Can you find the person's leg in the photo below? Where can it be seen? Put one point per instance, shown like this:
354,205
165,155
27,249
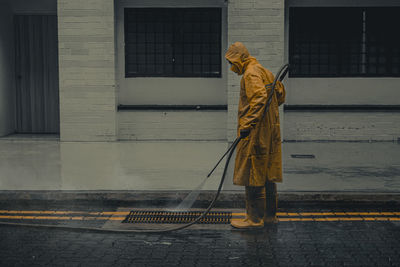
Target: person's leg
271,202
255,197
255,206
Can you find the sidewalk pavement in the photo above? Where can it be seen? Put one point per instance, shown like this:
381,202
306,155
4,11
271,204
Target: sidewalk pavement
47,164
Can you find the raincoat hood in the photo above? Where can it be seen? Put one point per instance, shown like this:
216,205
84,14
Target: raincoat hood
239,56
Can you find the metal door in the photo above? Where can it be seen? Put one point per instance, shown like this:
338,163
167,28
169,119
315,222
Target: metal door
36,46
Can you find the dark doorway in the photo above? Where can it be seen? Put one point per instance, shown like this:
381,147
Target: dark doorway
36,45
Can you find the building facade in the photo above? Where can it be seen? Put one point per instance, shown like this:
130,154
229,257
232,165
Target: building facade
154,70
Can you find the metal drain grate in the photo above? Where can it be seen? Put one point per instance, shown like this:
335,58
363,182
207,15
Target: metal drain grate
215,217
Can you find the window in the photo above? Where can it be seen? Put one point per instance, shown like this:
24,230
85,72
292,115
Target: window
172,42
344,42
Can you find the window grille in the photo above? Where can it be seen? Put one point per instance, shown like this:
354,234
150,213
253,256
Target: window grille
383,41
172,42
343,42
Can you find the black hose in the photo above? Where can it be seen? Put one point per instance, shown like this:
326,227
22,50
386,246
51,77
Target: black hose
286,67
279,76
223,156
231,149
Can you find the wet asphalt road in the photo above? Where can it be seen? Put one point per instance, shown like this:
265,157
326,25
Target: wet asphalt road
288,243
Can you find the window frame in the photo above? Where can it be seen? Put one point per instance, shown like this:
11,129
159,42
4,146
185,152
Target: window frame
174,74
389,72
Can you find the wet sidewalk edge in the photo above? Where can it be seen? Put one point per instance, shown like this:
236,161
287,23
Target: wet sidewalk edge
229,199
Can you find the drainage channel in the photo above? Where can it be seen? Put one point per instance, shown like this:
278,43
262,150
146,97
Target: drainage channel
143,216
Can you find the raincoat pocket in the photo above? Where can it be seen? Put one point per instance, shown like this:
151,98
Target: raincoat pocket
275,138
259,141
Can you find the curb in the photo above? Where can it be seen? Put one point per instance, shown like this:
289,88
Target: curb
226,198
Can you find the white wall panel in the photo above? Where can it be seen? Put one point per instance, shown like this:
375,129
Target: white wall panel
172,125
341,126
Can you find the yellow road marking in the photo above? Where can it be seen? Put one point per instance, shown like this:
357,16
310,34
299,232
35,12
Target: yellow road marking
117,218
39,212
293,219
324,219
373,213
51,217
284,219
115,212
381,219
305,219
116,215
315,213
387,213
62,212
352,213
110,213
60,218
333,219
296,214
80,218
11,217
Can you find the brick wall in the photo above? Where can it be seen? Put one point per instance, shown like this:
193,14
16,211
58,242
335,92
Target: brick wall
342,126
172,125
259,25
87,70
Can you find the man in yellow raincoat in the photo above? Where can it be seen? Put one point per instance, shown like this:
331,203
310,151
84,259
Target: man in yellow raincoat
258,164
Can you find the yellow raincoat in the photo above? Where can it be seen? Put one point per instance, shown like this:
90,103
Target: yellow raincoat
259,156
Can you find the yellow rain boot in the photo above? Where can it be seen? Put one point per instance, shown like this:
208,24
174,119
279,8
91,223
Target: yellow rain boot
271,203
255,205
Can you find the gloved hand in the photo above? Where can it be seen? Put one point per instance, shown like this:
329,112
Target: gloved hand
244,133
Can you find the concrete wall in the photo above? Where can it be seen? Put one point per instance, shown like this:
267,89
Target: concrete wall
342,126
87,70
259,24
7,73
172,125
343,91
